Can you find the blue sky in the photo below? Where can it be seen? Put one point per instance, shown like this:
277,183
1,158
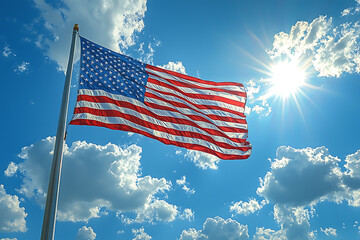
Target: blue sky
302,180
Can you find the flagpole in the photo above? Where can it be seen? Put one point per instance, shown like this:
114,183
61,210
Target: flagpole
48,227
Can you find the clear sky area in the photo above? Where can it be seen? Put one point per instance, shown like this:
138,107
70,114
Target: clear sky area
300,64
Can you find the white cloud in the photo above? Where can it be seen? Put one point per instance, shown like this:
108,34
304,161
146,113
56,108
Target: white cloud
263,109
174,66
95,178
109,23
351,10
192,234
188,214
217,228
300,177
157,210
256,103
11,169
182,182
148,55
294,222
252,88
23,67
298,180
178,152
257,109
268,234
353,164
202,160
85,233
12,217
8,239
7,51
332,50
346,11
246,208
329,231
140,234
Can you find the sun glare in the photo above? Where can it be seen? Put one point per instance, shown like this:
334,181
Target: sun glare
286,78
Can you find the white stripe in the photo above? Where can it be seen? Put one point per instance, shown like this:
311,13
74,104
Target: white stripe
203,112
187,111
169,76
202,91
171,137
172,114
191,101
152,120
207,102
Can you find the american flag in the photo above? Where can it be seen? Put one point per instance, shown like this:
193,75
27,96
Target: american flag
119,92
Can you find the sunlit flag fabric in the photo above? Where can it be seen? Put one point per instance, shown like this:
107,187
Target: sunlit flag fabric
119,92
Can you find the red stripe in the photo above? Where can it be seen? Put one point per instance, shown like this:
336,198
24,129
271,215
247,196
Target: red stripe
182,105
201,118
198,96
114,113
193,78
156,127
193,86
163,140
125,104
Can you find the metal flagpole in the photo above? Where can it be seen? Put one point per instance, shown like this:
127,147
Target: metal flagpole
48,227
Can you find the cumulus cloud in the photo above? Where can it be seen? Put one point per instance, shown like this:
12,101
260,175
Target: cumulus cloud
85,233
294,222
7,51
188,214
202,160
347,11
298,180
174,66
217,228
11,169
12,217
109,23
353,164
95,178
246,208
333,50
147,56
23,67
157,210
268,234
182,182
351,10
301,177
140,234
329,231
255,102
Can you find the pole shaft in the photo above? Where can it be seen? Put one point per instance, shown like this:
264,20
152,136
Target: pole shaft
48,227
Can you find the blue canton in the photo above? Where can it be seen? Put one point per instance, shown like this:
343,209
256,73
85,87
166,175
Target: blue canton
103,69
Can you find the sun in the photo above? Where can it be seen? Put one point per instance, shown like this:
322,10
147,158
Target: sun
286,78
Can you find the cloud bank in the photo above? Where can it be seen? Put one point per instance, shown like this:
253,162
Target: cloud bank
217,228
298,180
12,217
110,23
332,50
95,179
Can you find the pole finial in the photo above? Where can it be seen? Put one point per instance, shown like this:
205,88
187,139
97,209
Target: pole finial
76,27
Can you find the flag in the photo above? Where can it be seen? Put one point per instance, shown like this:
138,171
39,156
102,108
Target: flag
119,92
